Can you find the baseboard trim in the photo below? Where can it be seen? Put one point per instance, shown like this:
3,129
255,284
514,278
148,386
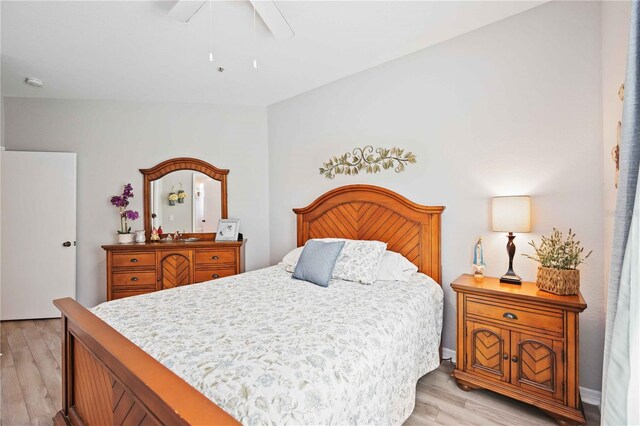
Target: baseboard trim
589,396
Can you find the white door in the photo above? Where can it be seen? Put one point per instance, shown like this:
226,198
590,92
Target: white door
38,233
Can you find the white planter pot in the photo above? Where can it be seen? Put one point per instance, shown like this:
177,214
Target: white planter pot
125,238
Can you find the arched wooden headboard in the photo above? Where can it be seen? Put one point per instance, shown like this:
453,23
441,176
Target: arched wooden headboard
366,212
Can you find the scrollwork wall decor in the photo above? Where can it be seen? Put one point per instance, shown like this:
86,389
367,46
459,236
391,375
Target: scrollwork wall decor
367,160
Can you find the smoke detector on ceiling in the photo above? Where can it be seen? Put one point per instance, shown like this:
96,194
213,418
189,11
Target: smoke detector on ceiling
35,82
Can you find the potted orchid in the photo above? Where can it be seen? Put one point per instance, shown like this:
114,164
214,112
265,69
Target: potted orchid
122,201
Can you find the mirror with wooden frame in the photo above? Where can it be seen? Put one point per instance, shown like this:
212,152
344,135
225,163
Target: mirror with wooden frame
185,195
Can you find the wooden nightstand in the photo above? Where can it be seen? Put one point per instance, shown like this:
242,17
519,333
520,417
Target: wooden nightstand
520,342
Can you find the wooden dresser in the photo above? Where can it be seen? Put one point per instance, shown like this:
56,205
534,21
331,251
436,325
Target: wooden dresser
146,267
520,342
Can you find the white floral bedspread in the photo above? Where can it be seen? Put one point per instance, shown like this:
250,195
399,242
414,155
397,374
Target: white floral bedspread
272,350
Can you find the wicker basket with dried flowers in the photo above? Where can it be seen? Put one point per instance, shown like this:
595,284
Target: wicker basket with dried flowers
559,259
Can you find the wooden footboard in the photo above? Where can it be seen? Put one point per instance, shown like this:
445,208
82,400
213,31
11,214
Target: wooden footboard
107,380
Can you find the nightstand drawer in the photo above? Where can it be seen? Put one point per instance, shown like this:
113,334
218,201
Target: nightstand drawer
515,315
133,260
215,257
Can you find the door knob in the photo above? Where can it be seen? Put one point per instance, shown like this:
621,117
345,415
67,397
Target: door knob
505,356
66,244
514,359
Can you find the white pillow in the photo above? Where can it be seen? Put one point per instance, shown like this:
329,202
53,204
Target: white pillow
395,267
291,259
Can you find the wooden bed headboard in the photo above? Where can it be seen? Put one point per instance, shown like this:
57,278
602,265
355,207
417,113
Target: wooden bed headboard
367,212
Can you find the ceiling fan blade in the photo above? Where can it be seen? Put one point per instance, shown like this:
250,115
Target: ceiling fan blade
184,10
273,19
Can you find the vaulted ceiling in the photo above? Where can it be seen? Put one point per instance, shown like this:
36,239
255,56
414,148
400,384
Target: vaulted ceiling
133,50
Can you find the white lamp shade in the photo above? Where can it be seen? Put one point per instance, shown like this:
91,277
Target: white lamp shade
511,214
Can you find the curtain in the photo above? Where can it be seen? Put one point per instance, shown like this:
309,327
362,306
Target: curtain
621,381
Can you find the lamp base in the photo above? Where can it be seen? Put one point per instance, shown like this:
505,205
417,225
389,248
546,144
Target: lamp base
511,279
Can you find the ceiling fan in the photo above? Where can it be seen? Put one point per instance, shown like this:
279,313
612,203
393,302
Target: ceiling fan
184,10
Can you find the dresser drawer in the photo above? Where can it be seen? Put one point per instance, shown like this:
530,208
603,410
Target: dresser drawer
133,260
137,279
212,274
215,257
551,321
128,293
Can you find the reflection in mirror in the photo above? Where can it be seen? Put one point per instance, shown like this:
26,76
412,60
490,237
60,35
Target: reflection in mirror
186,201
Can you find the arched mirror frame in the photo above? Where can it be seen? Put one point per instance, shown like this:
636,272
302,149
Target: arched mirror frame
183,163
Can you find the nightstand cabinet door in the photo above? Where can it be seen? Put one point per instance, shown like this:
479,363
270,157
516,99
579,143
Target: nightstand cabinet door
537,365
488,353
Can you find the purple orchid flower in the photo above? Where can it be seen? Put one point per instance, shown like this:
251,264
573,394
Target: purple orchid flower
131,214
128,191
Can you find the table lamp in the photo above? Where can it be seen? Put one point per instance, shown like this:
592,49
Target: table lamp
511,214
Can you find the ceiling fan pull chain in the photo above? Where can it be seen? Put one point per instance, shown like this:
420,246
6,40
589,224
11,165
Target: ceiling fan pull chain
255,47
210,32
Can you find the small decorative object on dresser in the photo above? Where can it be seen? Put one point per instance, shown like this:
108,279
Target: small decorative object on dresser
228,230
122,201
140,236
478,259
559,260
511,214
520,342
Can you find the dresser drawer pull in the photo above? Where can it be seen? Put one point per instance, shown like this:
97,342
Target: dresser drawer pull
509,315
215,276
505,356
514,358
214,258
134,278
134,260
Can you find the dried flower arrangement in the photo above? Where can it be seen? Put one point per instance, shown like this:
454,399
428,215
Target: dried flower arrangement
557,252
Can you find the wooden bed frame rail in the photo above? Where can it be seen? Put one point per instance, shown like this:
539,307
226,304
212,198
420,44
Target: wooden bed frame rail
107,380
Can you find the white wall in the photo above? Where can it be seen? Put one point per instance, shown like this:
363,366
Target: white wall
615,39
115,139
512,108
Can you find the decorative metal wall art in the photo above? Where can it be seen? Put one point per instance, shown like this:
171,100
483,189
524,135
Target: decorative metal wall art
367,160
615,151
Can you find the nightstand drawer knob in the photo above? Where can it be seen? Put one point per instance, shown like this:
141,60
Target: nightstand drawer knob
514,359
134,278
505,356
215,276
134,260
214,258
509,315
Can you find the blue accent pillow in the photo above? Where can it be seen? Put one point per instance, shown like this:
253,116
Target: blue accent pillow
317,261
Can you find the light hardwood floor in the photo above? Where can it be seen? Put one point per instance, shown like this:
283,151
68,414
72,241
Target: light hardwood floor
30,370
